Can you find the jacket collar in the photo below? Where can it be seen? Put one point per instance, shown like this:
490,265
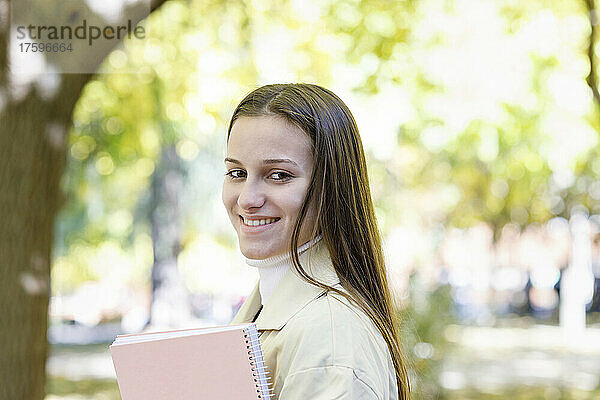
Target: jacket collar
292,293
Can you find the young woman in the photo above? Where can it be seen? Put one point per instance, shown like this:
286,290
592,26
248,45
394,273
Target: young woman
297,193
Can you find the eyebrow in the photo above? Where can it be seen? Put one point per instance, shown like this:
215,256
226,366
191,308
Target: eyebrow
267,161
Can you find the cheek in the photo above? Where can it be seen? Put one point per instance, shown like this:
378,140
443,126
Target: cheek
228,196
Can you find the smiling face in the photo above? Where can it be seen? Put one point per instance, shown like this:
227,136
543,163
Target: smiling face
269,164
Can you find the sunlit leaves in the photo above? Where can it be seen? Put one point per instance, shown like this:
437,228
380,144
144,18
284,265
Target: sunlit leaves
469,111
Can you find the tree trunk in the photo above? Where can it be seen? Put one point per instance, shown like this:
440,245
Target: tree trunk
170,299
33,144
32,159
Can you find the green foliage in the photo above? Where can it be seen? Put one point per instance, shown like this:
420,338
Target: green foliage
123,120
464,150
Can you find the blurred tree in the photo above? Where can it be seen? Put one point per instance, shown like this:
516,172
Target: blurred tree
587,190
592,77
492,158
33,127
149,128
170,299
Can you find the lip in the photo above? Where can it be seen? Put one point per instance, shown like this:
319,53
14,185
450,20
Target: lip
259,217
256,229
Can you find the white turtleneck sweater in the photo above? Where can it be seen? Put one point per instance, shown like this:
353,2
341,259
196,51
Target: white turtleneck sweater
272,269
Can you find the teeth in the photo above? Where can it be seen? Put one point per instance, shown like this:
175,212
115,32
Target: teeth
258,222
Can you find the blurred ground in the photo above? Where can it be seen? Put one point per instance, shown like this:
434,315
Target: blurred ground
483,363
498,360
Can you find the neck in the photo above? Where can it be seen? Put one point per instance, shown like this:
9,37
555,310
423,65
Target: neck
281,259
272,269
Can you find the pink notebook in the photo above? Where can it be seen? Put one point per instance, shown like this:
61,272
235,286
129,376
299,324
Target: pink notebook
207,363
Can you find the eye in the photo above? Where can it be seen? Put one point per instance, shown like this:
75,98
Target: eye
235,173
280,176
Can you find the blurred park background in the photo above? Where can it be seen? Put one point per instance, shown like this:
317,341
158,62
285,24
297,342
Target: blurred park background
480,120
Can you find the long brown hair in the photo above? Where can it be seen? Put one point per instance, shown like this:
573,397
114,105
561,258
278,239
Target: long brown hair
339,187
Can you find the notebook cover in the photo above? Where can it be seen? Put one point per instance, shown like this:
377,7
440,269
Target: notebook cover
205,366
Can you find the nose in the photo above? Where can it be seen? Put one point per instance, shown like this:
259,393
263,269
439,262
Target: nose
251,195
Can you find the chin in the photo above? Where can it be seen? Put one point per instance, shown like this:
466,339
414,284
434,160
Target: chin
258,253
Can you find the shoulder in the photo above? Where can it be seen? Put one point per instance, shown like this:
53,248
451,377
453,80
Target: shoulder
332,335
334,317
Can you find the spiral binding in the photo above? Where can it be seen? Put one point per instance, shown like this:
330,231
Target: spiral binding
261,375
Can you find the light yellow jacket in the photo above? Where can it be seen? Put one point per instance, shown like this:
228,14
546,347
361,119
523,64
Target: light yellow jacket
316,345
